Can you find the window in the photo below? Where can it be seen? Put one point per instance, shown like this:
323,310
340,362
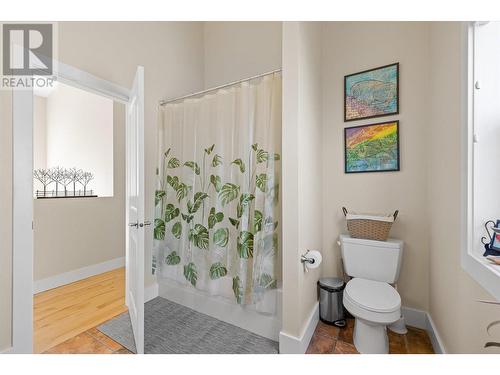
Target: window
72,143
482,152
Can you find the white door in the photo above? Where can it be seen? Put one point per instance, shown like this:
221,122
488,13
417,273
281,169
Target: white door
135,208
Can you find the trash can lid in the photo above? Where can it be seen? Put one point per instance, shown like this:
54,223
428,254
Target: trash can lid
334,283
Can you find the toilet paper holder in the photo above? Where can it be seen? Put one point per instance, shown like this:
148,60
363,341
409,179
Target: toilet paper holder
304,259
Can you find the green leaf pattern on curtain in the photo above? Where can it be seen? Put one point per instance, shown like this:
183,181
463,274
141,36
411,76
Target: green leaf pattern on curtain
216,161
221,237
217,270
214,218
174,163
261,182
190,273
177,230
245,245
172,259
181,191
199,236
159,195
228,193
193,165
171,212
159,231
217,218
216,181
238,289
240,164
194,205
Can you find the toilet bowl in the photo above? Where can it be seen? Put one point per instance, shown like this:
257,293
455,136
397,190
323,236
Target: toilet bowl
368,296
374,305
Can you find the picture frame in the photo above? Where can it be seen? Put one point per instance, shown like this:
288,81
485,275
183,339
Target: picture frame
372,93
372,148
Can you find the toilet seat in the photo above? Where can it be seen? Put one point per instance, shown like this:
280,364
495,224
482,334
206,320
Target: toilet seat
373,301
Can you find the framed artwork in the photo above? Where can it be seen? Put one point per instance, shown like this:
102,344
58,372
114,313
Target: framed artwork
372,93
372,148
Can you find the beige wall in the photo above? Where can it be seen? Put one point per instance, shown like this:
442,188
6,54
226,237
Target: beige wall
172,55
73,233
310,152
236,50
5,219
460,320
302,169
350,47
80,134
39,133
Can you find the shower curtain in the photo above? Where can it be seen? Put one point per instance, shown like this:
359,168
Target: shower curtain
217,221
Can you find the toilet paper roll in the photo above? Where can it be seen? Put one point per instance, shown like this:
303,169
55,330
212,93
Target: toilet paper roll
316,256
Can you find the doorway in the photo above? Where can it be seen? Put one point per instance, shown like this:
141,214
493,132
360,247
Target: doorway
23,278
78,212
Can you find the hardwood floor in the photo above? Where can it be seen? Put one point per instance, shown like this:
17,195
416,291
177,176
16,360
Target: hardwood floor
329,339
71,311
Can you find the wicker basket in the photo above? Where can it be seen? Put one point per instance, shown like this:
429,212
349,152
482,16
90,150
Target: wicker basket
370,227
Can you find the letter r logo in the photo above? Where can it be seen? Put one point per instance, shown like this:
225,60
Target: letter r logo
27,49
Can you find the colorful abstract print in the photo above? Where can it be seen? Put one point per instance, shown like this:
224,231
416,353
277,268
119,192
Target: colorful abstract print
372,148
372,93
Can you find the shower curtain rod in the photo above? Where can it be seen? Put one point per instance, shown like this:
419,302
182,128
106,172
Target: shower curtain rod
163,102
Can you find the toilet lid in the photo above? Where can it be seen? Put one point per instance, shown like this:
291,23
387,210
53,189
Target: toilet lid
372,295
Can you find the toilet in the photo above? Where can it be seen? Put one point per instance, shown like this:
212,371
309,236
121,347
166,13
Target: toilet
368,296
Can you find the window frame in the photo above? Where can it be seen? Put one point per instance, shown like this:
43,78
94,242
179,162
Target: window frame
476,266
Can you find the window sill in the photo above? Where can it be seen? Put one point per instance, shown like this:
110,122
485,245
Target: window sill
484,272
69,197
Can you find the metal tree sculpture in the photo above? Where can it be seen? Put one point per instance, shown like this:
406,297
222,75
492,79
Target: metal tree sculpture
75,175
65,180
85,178
45,178
56,174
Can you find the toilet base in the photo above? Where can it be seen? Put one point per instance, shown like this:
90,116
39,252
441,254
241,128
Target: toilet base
370,338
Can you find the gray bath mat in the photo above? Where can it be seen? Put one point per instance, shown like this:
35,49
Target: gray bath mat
170,328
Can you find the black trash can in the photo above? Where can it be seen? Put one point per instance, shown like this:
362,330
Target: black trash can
331,308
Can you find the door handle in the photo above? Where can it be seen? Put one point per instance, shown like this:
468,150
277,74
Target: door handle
136,224
145,223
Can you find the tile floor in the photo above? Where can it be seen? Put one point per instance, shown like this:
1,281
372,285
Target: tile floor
330,339
89,342
326,339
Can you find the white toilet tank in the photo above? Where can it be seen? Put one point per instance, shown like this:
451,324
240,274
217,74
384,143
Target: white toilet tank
372,260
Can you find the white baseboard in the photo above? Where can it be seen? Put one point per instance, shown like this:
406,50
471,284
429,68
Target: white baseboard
422,319
415,318
7,351
298,345
79,274
436,341
219,308
151,292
